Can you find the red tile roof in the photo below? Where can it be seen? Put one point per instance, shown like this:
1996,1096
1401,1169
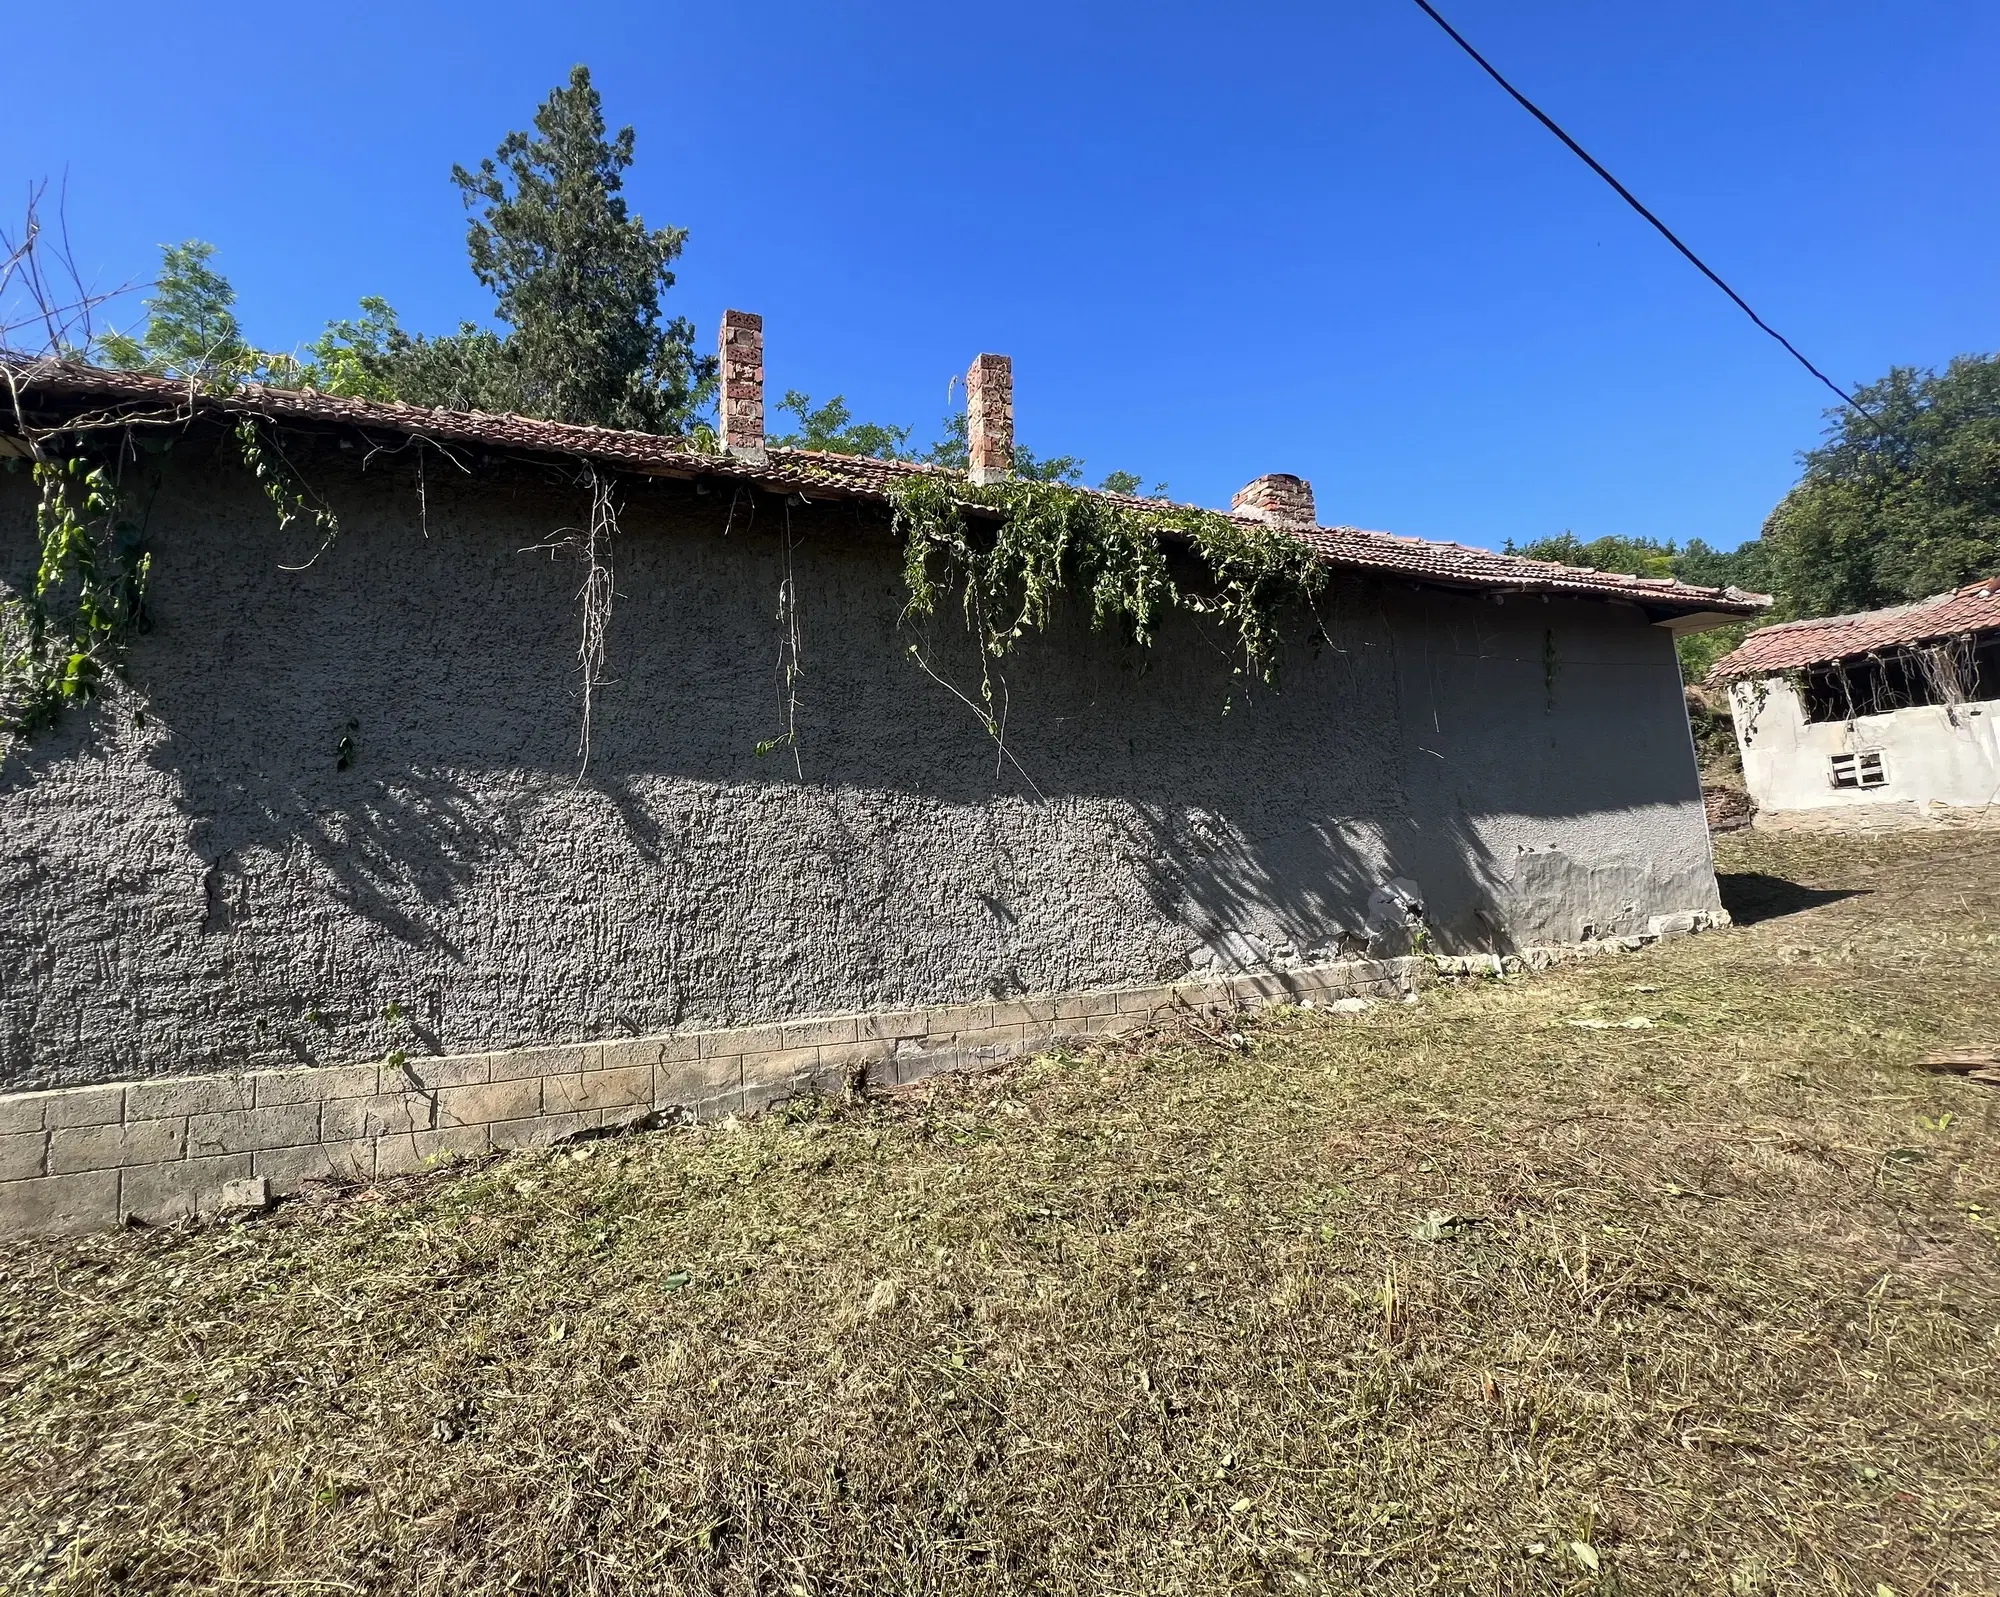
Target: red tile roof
71,394
1972,608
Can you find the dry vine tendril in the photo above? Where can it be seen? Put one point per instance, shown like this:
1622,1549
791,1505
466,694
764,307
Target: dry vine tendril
1054,539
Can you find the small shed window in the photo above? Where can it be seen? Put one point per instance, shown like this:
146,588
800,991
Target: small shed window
1860,770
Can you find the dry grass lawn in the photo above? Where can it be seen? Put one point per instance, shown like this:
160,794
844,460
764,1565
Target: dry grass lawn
1460,1296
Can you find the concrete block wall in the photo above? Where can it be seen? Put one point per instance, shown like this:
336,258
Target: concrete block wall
76,1159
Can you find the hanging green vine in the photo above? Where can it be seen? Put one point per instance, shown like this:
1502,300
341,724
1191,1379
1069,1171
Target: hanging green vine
1052,539
77,621
282,485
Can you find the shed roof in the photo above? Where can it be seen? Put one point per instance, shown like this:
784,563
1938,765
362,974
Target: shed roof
69,396
1793,644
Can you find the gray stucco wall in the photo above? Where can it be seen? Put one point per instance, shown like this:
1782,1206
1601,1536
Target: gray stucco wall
188,882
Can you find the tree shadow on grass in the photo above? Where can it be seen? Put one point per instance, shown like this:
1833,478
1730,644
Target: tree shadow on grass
1753,896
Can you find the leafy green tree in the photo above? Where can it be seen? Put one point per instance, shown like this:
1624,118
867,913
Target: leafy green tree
1697,562
191,327
953,451
1900,503
576,276
351,358
1747,566
832,427
1638,557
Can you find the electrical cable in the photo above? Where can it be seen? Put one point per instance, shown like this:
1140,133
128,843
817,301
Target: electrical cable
1632,200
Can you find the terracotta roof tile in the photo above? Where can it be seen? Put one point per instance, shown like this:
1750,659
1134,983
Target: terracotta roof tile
71,393
1792,644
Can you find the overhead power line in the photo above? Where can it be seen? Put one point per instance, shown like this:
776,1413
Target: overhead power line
1632,200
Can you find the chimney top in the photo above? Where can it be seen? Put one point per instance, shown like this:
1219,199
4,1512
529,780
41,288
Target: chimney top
741,405
989,419
1279,499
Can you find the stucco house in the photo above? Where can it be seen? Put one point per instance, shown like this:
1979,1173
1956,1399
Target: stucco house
321,887
1887,718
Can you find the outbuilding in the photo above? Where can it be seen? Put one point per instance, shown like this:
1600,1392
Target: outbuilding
1884,719
474,781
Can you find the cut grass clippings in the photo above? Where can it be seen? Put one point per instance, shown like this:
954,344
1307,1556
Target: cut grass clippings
1452,1296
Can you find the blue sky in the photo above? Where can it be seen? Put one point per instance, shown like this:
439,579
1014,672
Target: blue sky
1217,240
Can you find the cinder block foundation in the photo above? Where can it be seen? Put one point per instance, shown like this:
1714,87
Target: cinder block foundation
78,1159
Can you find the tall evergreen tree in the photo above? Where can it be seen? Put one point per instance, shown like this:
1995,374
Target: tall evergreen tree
577,277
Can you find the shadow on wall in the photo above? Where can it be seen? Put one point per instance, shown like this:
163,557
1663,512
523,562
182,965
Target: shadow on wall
355,814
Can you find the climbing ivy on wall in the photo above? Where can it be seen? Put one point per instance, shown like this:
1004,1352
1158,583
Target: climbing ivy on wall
77,619
1049,539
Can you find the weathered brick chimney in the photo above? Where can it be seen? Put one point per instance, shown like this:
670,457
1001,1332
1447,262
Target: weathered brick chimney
742,402
1280,499
989,419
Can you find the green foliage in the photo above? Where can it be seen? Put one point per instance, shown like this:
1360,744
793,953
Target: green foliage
1696,562
1638,557
577,277
953,452
76,622
1747,566
191,328
351,358
1053,539
1900,506
832,427
282,485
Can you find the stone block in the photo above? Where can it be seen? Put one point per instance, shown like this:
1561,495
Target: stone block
988,1043
951,1019
869,1055
710,1111
599,1089
429,1075
1040,1010
288,1169
162,1193
20,1112
918,1064
822,1032
288,1125
82,1106
694,1080
1143,1000
315,1085
893,1024
1080,1006
525,1064
779,1065
421,1150
744,1040
187,1095
483,1104
248,1193
626,1052
382,1114
145,1142
53,1206
22,1154
540,1132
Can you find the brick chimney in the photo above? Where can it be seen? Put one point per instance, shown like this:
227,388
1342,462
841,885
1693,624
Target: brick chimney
742,403
1280,499
989,419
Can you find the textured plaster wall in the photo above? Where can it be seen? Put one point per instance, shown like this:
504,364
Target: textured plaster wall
188,880
1931,756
